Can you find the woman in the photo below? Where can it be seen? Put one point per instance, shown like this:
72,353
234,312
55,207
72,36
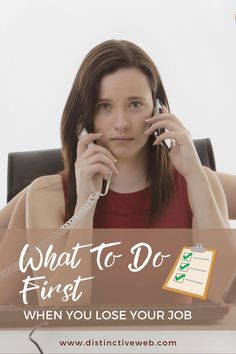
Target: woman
119,70
113,98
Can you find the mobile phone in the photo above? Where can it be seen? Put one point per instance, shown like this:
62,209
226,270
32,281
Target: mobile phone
166,144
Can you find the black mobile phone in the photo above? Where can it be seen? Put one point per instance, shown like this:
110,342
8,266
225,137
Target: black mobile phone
166,144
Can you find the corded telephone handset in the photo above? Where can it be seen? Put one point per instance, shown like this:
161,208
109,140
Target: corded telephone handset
84,133
91,201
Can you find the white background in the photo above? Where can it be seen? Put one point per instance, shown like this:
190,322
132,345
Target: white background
210,341
43,43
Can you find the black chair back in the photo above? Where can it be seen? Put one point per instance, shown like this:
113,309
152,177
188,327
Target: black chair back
25,166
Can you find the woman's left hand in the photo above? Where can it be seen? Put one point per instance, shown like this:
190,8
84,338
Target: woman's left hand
183,154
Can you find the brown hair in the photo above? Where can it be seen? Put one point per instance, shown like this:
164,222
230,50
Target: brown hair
79,111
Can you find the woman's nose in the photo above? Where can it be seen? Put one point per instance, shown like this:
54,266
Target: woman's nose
121,120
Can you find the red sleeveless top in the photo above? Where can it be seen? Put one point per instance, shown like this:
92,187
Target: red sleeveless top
116,285
131,210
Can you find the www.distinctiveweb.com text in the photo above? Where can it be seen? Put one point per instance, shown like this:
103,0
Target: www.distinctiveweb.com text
117,343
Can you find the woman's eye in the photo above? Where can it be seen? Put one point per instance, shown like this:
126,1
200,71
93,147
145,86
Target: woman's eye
136,104
104,106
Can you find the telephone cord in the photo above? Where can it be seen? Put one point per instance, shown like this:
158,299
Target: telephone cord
73,221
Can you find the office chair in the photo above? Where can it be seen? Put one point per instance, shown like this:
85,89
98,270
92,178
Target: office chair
24,167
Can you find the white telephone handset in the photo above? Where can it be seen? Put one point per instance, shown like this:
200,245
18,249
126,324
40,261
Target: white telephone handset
82,134
92,199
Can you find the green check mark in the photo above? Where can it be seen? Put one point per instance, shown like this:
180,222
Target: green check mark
187,255
183,266
179,277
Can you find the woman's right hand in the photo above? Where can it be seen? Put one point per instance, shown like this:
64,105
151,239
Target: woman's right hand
93,164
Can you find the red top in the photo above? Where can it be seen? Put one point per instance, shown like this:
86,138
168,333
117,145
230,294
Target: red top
117,285
131,210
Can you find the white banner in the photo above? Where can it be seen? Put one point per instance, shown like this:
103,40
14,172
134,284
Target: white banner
119,341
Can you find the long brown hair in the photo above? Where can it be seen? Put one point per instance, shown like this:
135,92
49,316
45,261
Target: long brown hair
80,107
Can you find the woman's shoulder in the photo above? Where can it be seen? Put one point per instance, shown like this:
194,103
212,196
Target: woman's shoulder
46,183
46,189
9,209
43,193
45,201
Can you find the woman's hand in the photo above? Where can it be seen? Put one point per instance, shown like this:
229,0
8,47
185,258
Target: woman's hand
93,164
183,154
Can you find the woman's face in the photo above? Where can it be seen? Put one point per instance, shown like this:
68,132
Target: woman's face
125,101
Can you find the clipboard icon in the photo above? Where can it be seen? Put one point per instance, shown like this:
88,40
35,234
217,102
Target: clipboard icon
192,272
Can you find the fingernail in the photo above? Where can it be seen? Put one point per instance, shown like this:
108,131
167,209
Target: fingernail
146,132
156,142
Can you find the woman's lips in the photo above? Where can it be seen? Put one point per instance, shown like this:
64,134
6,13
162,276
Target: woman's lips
122,138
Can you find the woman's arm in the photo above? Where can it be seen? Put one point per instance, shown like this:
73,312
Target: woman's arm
229,185
45,212
221,240
205,192
45,209
39,206
13,241
207,200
